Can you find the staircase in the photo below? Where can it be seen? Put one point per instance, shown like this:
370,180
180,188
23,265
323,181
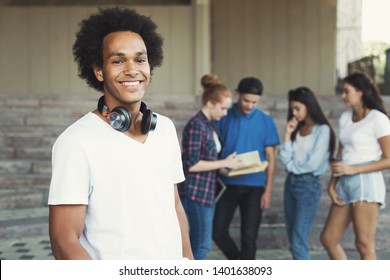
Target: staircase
29,127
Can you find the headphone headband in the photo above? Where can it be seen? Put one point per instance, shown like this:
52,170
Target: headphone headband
120,119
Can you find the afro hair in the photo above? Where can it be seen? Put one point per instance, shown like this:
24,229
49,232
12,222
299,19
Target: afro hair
88,47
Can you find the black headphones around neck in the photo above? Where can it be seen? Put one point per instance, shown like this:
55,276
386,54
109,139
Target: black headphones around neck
120,119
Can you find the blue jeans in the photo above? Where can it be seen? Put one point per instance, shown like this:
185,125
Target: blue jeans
248,200
302,194
200,221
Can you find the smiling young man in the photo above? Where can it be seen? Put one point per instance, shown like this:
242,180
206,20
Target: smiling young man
113,191
245,128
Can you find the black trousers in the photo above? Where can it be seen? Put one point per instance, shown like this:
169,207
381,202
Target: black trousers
248,201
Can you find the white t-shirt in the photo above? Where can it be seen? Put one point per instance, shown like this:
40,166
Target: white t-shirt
128,188
218,144
360,139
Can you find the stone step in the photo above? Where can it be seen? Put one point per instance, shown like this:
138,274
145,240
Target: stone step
23,223
7,152
272,233
29,131
21,198
275,214
26,138
43,153
25,166
24,180
34,102
273,236
34,222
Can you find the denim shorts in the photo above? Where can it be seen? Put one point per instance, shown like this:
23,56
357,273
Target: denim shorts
369,187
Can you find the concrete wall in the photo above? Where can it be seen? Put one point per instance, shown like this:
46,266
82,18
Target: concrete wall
36,49
286,43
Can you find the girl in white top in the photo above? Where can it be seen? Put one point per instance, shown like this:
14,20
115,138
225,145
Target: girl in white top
357,188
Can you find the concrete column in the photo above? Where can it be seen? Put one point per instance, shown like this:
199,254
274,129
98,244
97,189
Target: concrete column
202,42
349,34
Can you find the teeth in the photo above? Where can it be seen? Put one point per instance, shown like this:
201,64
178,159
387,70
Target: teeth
130,83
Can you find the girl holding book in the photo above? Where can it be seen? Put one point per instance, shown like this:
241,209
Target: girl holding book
200,155
357,187
309,142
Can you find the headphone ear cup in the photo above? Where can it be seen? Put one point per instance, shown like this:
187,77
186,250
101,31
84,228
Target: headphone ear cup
149,119
153,122
146,121
120,119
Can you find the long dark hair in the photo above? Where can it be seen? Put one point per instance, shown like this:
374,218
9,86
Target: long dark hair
371,97
305,96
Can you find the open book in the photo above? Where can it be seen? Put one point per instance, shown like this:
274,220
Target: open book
252,164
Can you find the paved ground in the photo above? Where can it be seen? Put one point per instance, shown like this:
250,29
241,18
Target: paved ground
32,223
38,247
33,248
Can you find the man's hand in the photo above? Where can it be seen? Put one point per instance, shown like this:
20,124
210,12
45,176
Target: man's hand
265,202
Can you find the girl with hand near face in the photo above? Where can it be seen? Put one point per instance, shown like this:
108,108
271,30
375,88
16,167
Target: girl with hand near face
309,142
357,187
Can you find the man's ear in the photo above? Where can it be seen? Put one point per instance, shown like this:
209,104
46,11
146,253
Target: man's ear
98,73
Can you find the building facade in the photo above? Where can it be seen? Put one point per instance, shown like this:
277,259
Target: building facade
286,43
